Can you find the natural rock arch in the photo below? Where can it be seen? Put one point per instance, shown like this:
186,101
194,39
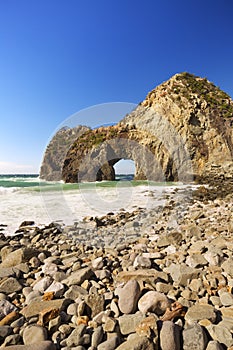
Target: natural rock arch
185,124
93,155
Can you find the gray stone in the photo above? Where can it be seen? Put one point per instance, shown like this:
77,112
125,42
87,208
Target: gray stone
6,272
72,309
226,299
220,334
18,256
128,323
153,301
45,345
212,257
196,260
43,284
34,334
227,323
142,262
135,342
109,325
56,287
34,262
128,297
49,269
102,274
35,294
3,296
75,338
114,308
214,345
54,324
95,302
79,276
5,251
6,307
23,267
5,331
97,336
65,329
109,344
18,323
163,287
12,339
199,312
26,291
215,300
193,231
10,285
227,266
75,292
97,263
169,336
194,338
182,273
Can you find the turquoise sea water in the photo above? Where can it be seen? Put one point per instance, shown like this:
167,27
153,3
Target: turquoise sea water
33,183
26,197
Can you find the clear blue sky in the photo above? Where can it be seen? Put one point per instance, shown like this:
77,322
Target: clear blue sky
60,56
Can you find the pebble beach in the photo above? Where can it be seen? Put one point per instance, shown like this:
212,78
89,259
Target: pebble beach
145,279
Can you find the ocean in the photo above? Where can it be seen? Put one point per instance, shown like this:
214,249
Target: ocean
26,197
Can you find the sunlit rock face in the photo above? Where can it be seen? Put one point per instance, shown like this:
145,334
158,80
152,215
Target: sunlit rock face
181,131
55,153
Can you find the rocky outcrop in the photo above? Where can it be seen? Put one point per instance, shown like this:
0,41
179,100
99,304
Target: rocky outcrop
93,155
193,119
180,132
55,153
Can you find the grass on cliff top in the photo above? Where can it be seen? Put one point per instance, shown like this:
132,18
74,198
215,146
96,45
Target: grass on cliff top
213,95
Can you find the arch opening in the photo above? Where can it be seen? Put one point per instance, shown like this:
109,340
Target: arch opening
124,169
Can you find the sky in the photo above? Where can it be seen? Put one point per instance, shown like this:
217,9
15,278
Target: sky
59,57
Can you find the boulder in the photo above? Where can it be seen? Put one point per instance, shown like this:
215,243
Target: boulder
199,312
35,307
19,256
34,334
135,342
128,323
169,336
128,297
10,285
153,301
79,276
194,337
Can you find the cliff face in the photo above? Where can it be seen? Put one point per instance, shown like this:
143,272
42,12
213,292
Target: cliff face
182,130
192,112
93,155
55,153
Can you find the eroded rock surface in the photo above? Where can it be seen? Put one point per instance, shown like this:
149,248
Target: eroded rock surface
182,130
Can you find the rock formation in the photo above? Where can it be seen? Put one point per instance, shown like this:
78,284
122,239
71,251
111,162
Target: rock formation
55,153
94,154
180,132
193,118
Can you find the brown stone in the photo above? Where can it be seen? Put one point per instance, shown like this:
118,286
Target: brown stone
46,315
8,319
35,307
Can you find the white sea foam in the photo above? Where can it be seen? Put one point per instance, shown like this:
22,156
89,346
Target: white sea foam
7,190
69,205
